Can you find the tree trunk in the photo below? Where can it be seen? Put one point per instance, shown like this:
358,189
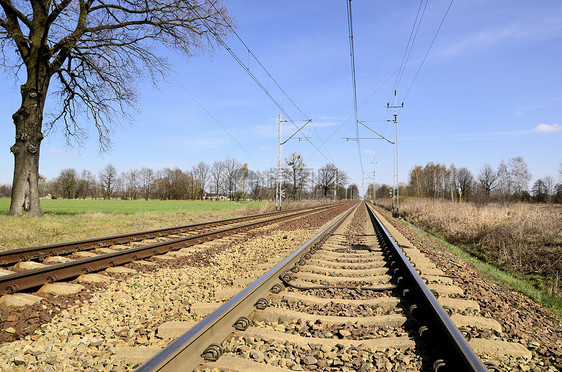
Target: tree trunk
28,121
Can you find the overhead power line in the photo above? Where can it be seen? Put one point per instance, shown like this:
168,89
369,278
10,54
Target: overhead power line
214,119
411,41
429,49
264,89
354,85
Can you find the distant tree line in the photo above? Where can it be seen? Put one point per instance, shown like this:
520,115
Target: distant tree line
509,182
222,179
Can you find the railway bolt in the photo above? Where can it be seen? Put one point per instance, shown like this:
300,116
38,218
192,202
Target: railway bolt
13,288
52,278
438,364
242,323
212,353
277,288
262,304
465,332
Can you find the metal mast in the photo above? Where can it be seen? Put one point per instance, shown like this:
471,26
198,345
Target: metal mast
278,186
395,182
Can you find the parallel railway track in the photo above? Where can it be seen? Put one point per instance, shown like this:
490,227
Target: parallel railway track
36,266
341,301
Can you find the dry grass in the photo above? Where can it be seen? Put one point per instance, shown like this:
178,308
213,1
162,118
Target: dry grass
522,238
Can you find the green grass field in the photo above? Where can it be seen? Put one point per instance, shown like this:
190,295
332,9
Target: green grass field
67,220
78,206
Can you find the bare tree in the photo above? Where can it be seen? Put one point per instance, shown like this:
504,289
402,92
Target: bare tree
505,181
201,175
90,52
520,174
453,181
297,174
217,176
465,180
86,185
108,180
327,178
146,182
487,178
67,183
231,169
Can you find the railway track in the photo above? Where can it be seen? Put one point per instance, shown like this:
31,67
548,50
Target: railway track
351,298
28,268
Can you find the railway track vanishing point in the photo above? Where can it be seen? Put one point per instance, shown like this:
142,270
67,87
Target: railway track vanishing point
339,302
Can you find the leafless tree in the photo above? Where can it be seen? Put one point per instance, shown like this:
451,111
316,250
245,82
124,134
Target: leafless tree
86,185
452,181
297,174
505,181
231,169
90,52
550,187
488,179
146,176
108,180
327,178
201,175
465,180
520,174
67,183
217,176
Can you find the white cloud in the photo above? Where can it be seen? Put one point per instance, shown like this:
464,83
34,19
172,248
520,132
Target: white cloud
373,152
548,127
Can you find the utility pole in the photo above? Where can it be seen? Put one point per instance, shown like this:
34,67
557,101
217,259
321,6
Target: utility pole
395,181
278,186
335,186
278,189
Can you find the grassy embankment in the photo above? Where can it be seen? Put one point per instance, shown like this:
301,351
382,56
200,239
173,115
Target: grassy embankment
518,244
67,220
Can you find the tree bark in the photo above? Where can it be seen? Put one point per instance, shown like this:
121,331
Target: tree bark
28,121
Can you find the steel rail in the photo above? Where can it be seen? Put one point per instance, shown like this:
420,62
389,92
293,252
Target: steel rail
457,353
36,277
185,353
38,252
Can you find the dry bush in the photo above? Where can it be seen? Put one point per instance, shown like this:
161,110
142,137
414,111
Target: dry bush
524,238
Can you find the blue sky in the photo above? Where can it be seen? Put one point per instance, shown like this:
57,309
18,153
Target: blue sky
489,90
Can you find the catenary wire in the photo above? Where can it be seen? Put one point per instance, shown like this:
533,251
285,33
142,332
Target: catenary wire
214,119
429,49
354,87
246,68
